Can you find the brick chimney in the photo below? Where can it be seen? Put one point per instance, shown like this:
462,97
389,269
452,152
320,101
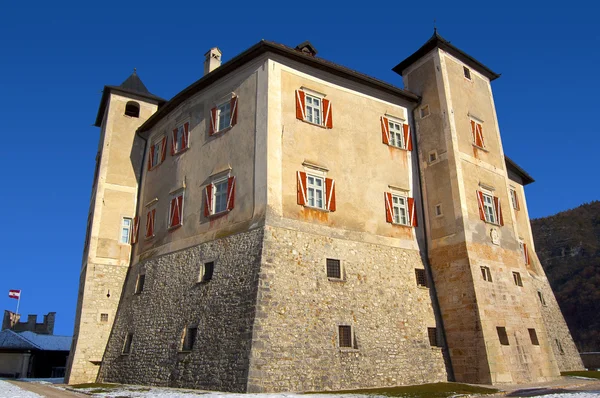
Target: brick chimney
212,60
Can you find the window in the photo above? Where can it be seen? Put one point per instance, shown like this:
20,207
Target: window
400,209
334,269
421,277
206,272
432,334
176,211
517,279
524,252
189,338
132,109
424,111
489,208
533,337
486,274
223,116
136,228
467,72
314,109
180,138
127,343
220,196
150,217
126,225
477,134
502,336
514,199
541,297
560,348
438,210
396,133
158,151
316,191
103,318
346,337
139,285
432,156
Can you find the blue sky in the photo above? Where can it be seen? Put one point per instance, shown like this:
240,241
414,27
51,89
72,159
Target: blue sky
56,57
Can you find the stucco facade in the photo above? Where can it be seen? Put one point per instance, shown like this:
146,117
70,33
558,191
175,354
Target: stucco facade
321,247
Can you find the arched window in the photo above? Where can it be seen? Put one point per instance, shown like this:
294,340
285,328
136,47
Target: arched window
132,109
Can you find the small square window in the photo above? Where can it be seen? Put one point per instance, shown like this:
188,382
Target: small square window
345,336
103,318
334,269
517,279
126,225
502,335
127,344
189,338
533,337
206,272
421,277
467,72
486,274
139,286
541,297
438,210
432,156
424,111
433,340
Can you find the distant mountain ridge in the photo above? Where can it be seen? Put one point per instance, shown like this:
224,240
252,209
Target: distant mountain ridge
568,245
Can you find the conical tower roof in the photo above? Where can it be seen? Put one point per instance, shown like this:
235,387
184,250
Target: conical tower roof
134,84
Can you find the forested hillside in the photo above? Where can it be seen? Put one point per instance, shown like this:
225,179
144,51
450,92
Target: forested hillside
568,245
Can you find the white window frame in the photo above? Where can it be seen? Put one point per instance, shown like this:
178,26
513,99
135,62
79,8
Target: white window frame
157,144
178,143
395,133
128,228
398,220
513,197
227,121
486,274
315,189
490,216
175,194
312,96
216,182
517,279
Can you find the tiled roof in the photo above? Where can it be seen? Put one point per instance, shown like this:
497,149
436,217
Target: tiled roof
33,341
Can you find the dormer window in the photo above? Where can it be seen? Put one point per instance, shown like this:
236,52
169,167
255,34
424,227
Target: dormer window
132,109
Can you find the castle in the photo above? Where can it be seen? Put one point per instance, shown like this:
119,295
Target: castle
288,224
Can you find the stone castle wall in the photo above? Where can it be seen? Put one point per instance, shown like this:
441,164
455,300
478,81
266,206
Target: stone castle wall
295,341
222,310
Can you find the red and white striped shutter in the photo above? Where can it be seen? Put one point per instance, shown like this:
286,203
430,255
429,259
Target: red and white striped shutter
389,216
151,157
474,131
385,130
479,130
233,106
186,136
300,105
301,188
175,209
150,223
498,210
517,201
480,201
327,112
213,121
136,228
208,201
412,212
163,149
407,138
174,148
230,193
330,194
526,254
180,208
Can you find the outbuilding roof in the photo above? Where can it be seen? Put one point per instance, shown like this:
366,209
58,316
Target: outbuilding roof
33,341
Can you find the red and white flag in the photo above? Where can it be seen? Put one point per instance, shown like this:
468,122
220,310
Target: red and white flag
16,294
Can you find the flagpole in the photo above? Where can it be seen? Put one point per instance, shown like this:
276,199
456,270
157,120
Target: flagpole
18,302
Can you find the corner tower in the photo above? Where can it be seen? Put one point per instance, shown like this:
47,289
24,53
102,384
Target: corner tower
487,291
111,224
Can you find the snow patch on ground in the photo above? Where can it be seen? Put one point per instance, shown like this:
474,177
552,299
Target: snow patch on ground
8,390
55,380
